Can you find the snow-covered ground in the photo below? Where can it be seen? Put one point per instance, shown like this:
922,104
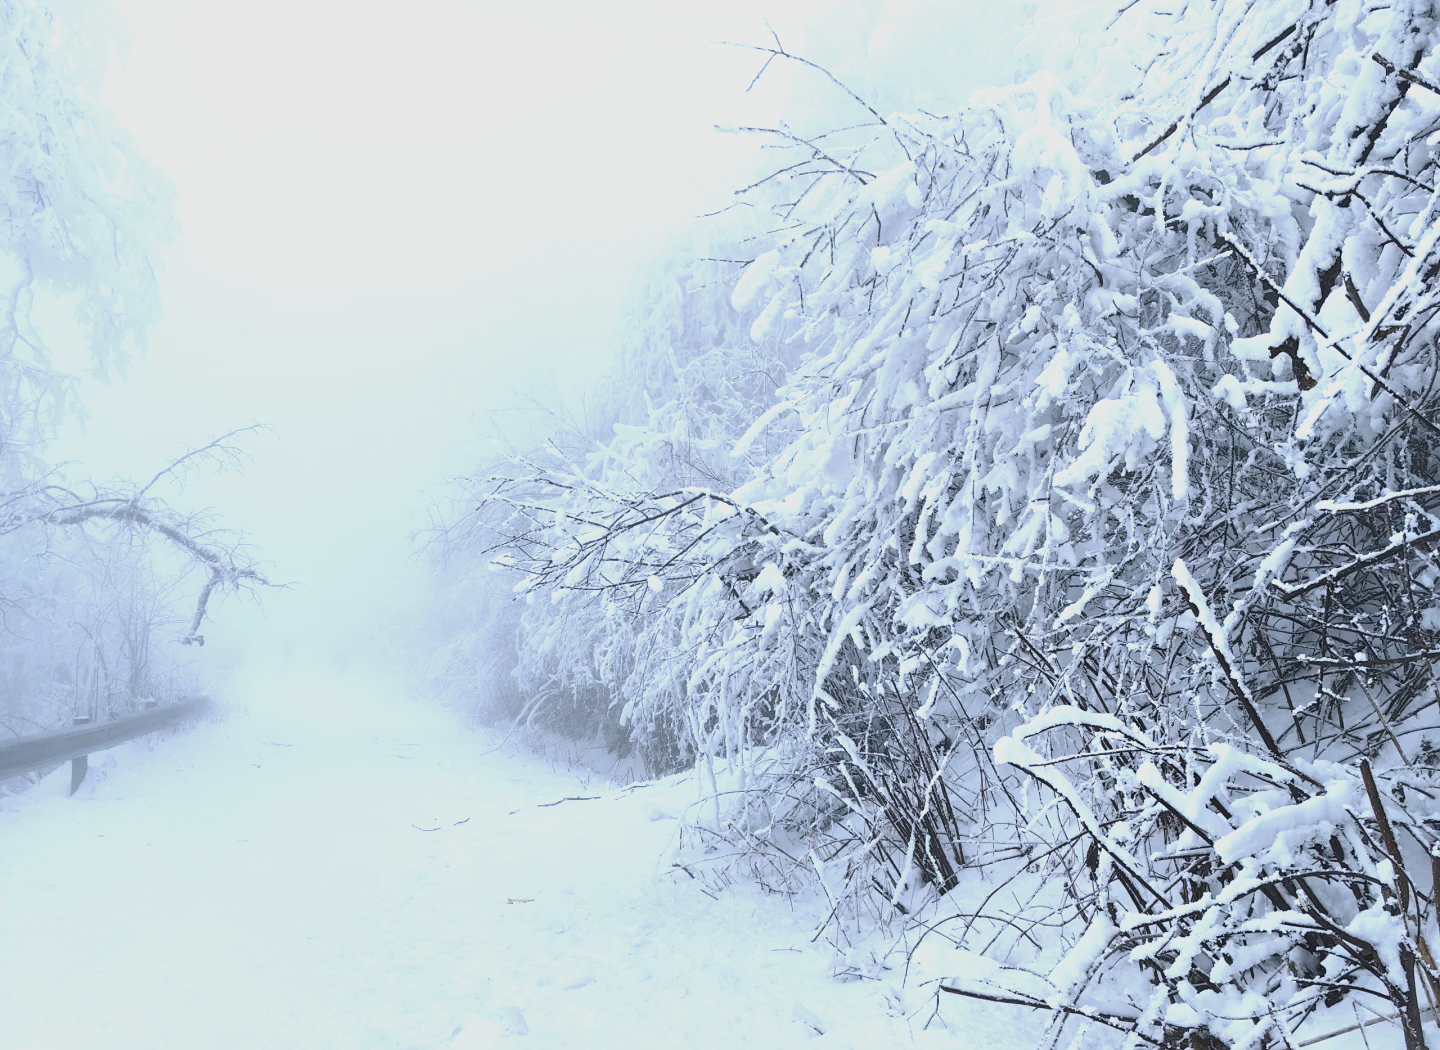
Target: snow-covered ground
332,867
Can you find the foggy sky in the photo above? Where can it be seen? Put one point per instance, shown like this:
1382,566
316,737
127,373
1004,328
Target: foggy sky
397,217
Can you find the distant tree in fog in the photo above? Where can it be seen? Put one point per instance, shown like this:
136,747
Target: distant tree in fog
84,216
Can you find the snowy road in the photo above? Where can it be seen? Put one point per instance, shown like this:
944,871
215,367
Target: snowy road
263,882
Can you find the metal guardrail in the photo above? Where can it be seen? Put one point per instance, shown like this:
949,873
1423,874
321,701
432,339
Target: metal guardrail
29,753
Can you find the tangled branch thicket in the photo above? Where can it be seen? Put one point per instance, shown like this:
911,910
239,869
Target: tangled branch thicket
1091,535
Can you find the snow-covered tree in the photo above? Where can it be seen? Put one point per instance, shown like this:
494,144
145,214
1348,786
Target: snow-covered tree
84,218
85,214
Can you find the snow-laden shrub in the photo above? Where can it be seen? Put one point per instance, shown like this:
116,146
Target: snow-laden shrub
1095,522
685,385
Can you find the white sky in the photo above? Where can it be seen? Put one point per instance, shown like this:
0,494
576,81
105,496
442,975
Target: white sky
396,214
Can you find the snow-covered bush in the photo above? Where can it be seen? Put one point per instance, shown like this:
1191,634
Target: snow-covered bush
1095,521
686,383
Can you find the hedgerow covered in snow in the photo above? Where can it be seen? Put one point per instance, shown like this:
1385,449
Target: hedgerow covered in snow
1052,486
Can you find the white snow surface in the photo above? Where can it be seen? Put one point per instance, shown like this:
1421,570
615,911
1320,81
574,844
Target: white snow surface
262,880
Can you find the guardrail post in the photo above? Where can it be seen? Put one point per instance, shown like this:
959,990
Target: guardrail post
79,766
